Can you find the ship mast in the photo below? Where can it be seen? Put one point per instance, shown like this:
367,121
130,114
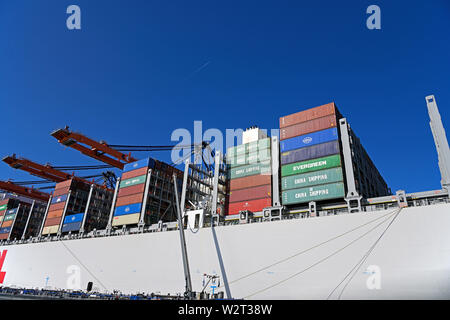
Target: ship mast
440,139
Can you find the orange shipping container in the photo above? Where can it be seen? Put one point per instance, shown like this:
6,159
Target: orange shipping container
264,191
7,223
307,115
54,214
248,182
4,236
61,191
57,206
134,198
63,184
134,173
52,221
308,127
252,205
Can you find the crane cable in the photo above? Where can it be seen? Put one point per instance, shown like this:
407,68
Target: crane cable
360,262
320,261
309,249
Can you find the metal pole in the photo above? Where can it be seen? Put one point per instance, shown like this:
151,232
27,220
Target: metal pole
275,169
215,184
184,189
15,218
64,214
187,274
45,216
87,209
144,201
113,206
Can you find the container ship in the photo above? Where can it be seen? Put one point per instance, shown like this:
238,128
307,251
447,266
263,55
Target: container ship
302,215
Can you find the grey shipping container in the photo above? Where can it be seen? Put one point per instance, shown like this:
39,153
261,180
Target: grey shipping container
316,151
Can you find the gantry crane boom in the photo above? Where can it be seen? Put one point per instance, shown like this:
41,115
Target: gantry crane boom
94,149
36,169
24,191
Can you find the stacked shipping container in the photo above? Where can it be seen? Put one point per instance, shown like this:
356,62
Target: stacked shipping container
132,188
311,163
70,200
4,230
13,217
249,176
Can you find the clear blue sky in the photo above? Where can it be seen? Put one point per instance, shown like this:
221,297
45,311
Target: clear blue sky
133,74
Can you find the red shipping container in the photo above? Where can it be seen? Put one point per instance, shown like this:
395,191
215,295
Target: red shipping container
308,127
57,206
61,191
134,198
63,184
264,191
55,213
252,205
4,236
248,182
4,202
307,115
52,221
140,188
134,173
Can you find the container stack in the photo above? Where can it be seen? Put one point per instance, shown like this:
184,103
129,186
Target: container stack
249,176
13,216
4,228
131,193
70,200
311,163
57,206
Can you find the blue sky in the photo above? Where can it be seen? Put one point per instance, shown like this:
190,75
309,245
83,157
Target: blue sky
137,70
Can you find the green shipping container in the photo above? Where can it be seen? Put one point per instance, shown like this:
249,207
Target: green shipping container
133,181
248,147
3,207
250,170
9,217
316,193
311,165
250,158
312,178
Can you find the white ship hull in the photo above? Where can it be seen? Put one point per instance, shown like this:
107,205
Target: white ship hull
410,261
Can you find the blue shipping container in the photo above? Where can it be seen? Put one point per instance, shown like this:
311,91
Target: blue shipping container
75,226
74,218
148,162
5,230
313,152
128,209
309,139
60,198
12,211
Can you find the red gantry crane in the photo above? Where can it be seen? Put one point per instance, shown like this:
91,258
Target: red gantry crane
9,186
97,150
43,171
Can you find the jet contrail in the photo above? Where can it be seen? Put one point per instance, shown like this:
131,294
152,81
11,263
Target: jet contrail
199,69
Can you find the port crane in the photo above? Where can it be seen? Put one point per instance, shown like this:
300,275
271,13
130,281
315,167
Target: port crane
97,150
11,187
47,172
